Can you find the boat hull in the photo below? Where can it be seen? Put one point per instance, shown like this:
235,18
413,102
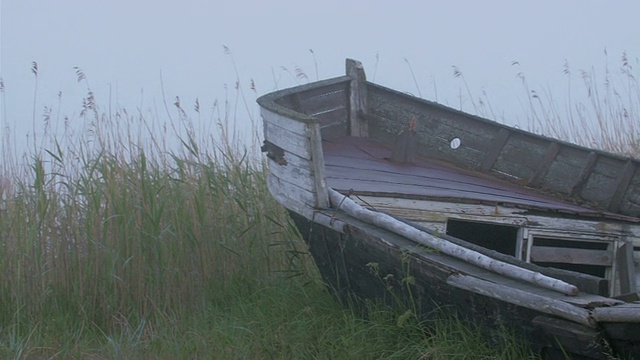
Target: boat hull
364,263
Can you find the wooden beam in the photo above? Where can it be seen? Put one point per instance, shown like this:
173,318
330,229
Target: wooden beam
522,298
626,269
624,180
357,99
592,158
317,164
621,313
549,156
571,256
404,149
496,147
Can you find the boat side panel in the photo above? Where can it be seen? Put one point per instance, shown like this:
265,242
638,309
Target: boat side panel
390,112
296,163
520,155
328,104
603,180
601,184
367,266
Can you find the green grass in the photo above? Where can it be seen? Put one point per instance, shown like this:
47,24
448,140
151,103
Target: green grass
115,255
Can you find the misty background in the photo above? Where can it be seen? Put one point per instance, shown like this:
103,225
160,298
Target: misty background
130,52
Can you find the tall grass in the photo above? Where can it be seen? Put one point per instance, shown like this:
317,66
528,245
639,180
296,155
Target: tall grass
127,237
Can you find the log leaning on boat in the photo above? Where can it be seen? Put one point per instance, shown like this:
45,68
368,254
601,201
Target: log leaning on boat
498,225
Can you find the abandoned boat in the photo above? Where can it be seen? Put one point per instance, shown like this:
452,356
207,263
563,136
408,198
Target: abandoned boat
503,227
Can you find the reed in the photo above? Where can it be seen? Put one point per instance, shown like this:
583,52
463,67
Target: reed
130,236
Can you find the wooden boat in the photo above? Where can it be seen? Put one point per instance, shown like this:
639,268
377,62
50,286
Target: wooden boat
400,197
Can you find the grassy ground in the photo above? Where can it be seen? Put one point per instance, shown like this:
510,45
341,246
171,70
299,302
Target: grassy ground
115,244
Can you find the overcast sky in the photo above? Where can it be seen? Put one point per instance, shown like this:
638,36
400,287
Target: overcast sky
124,46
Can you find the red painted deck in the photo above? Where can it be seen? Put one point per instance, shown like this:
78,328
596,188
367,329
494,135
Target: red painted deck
361,165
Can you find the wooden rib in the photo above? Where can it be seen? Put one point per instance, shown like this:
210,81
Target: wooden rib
626,269
624,180
357,99
549,156
584,175
493,153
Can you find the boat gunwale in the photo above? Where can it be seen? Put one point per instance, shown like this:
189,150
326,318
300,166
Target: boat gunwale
268,101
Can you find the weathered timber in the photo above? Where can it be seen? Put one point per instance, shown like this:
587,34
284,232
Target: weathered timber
629,314
522,298
317,158
358,107
571,256
404,150
626,269
340,201
584,174
624,181
494,151
549,156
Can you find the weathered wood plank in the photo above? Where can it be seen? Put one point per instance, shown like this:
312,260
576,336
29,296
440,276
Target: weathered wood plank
623,314
626,269
301,177
520,157
332,117
317,163
571,256
293,142
549,156
404,150
358,107
292,125
624,180
283,190
331,99
587,169
497,145
522,298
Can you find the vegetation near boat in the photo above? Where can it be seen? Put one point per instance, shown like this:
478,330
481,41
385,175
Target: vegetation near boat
403,198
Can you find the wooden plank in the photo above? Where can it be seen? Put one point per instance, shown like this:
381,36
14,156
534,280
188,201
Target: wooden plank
522,298
576,188
626,269
404,150
284,191
358,107
317,164
624,180
287,140
549,156
629,314
571,256
292,125
333,116
572,337
301,177
496,147
331,99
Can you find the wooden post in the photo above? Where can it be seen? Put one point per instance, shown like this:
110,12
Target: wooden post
357,99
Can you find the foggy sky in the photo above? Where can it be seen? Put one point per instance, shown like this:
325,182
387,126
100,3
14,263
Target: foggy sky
124,46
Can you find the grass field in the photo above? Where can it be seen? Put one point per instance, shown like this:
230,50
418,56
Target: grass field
117,243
